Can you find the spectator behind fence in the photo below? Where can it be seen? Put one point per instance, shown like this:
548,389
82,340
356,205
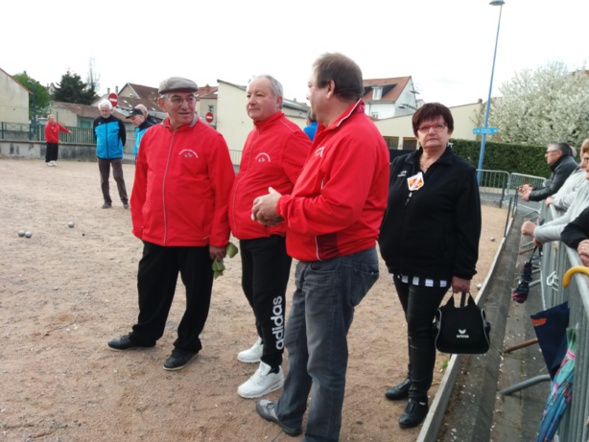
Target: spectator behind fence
562,199
332,220
52,129
576,235
183,180
110,136
559,156
551,230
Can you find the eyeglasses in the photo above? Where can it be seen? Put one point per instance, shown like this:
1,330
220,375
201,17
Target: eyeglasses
551,151
177,101
436,127
584,159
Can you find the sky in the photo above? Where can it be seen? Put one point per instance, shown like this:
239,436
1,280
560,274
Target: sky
447,47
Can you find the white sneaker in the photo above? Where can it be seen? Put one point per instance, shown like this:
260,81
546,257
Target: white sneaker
53,163
261,383
253,354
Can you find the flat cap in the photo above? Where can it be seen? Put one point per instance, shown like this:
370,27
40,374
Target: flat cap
177,84
134,112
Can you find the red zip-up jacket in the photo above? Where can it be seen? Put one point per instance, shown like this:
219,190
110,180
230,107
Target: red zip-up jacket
273,156
52,132
183,180
338,202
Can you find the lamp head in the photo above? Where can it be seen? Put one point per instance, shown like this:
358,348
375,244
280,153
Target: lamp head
497,3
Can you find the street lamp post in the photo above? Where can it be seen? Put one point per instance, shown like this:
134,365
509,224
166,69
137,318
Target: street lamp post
499,3
34,119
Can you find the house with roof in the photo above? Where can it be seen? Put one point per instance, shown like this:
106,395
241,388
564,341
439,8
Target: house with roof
14,100
390,97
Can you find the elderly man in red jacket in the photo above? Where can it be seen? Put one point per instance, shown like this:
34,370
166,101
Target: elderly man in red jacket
183,179
52,130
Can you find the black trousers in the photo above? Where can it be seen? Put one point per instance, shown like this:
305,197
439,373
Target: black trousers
117,173
156,284
51,152
265,273
420,304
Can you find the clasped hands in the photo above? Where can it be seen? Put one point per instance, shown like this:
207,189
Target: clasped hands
524,191
264,208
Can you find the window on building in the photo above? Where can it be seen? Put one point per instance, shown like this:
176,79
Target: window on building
392,142
376,93
409,143
374,115
211,108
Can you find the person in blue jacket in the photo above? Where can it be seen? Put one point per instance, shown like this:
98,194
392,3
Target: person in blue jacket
311,127
110,136
141,124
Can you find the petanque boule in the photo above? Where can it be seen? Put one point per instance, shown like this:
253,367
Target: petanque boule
479,285
71,224
492,238
28,234
21,233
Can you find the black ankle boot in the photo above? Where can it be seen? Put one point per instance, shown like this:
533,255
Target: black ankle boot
398,392
414,414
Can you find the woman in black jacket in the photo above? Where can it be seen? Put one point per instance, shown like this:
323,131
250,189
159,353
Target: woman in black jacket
429,240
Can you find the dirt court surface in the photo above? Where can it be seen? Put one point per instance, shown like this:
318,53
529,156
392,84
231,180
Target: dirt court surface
65,292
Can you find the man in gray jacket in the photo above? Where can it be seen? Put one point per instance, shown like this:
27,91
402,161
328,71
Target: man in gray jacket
559,158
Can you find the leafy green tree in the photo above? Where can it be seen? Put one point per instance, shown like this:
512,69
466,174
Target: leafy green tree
72,89
39,94
542,106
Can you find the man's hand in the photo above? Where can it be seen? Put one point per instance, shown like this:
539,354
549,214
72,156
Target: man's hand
526,196
528,228
549,201
460,285
583,250
264,208
217,252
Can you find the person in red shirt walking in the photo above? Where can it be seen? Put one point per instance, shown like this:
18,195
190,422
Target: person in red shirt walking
52,129
273,156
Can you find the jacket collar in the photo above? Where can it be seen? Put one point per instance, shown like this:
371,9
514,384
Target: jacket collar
166,123
261,125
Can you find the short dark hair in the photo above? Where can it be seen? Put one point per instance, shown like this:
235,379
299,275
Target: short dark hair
431,111
344,72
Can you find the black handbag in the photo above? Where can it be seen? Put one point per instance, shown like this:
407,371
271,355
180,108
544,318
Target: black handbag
461,330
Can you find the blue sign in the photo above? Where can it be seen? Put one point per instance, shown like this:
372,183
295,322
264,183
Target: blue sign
484,130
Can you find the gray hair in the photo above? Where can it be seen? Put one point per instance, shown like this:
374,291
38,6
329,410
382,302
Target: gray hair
275,85
104,103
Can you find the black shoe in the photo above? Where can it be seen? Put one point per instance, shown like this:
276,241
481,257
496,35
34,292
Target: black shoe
125,205
414,414
267,410
125,343
179,359
107,205
398,392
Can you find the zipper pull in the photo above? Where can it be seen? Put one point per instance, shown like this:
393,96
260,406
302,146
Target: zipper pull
408,198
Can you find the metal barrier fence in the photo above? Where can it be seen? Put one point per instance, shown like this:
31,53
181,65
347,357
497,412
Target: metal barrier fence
494,185
518,179
556,260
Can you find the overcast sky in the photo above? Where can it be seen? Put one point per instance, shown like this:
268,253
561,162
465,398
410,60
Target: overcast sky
445,46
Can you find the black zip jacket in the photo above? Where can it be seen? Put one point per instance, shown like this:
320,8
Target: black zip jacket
434,231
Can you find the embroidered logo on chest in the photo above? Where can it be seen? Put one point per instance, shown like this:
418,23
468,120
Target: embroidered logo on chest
263,157
188,153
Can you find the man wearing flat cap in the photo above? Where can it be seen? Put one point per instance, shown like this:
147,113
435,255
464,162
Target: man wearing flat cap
141,124
183,178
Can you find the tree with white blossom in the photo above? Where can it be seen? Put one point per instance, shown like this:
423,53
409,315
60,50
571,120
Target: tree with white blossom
542,106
